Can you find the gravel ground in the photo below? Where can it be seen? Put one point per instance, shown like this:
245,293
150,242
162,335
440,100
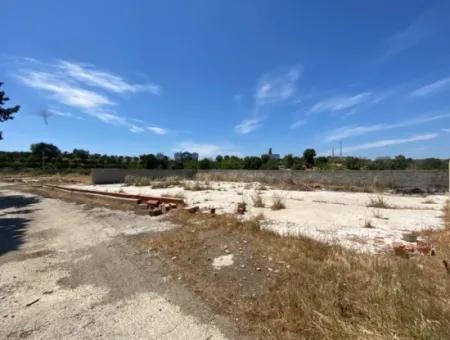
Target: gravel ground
69,271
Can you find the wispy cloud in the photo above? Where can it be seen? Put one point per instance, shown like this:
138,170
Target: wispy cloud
271,88
389,142
298,123
248,125
63,114
66,83
64,92
158,130
432,88
103,79
339,103
351,131
424,26
446,130
205,149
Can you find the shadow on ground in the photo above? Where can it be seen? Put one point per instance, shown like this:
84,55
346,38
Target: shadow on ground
12,229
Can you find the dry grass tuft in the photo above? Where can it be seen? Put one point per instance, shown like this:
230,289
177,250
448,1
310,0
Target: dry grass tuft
196,186
314,290
380,202
277,203
257,200
368,224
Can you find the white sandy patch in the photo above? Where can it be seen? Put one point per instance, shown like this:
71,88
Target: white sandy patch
323,215
223,261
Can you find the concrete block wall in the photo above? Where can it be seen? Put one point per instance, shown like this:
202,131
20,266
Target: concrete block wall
426,180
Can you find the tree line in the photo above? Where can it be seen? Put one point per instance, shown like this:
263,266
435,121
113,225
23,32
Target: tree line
50,157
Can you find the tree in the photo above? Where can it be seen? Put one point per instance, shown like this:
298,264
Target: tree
309,155
205,163
399,162
149,161
353,163
80,153
6,113
265,158
252,163
288,161
49,151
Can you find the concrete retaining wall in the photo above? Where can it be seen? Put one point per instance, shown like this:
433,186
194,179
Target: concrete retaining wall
426,180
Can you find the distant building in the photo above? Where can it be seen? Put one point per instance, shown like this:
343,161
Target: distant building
383,158
275,156
185,156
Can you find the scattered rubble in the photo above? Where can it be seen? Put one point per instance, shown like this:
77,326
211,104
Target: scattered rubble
223,261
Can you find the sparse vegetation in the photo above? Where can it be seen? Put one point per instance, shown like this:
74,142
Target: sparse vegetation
368,224
429,201
277,203
257,200
377,214
314,291
196,186
380,202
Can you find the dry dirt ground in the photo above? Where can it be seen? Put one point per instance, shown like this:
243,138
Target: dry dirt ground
70,271
359,221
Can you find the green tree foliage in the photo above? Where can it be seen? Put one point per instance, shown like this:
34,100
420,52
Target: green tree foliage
205,163
322,163
6,113
309,155
48,151
49,156
353,163
252,163
288,161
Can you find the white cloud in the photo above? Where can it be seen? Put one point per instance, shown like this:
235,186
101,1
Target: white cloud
63,91
156,129
431,88
340,103
103,79
389,142
277,87
298,124
446,130
205,149
247,126
65,82
63,114
420,29
271,88
136,129
351,131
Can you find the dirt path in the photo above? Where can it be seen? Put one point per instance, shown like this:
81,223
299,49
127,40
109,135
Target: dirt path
69,271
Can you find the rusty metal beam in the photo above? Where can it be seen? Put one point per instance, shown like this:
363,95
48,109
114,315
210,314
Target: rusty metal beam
141,198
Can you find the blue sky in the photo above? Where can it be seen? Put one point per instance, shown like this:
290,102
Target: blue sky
228,77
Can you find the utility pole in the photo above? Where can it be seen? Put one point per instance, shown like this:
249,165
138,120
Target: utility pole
332,152
340,146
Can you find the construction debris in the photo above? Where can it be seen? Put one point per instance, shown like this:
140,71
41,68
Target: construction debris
408,249
241,208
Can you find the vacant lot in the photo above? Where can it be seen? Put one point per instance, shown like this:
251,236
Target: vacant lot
76,271
360,221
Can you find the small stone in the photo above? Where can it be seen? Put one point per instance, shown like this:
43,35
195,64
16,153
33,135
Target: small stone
242,265
244,241
227,251
174,258
258,269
